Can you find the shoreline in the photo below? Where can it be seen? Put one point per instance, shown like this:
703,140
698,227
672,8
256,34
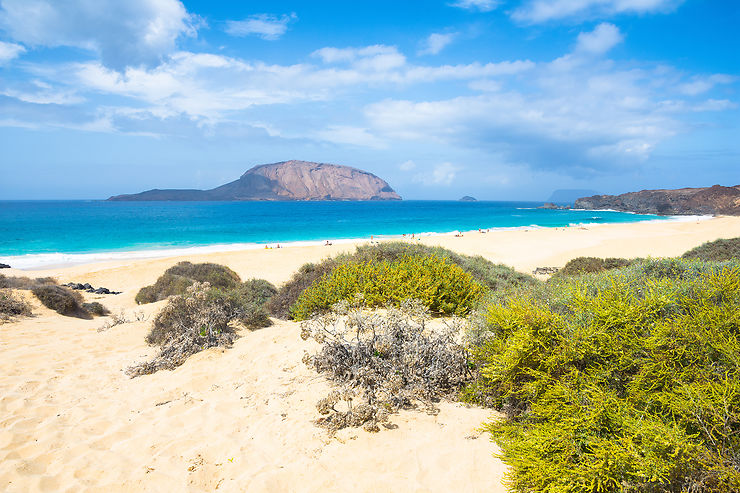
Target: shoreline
59,260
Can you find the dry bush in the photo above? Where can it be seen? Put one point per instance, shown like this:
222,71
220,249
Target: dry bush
62,300
589,265
96,308
383,362
11,306
188,324
179,277
24,282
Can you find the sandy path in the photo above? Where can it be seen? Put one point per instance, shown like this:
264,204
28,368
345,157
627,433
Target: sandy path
234,420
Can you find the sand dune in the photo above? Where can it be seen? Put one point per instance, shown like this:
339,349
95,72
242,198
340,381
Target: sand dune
241,419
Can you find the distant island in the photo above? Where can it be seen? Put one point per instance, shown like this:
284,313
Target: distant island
716,199
468,198
287,180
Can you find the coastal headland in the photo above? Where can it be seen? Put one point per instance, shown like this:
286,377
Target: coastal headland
241,419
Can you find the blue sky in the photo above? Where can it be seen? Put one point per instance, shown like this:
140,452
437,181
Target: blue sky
502,100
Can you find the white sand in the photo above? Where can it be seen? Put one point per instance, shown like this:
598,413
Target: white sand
241,419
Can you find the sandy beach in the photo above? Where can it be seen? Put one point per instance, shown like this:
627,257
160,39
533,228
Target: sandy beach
241,419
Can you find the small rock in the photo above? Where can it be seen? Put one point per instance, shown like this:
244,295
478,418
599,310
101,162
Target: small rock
4,266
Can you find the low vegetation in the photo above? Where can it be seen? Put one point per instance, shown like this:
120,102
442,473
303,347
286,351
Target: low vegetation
718,250
590,265
204,316
24,282
443,287
187,325
494,277
177,279
12,306
382,363
62,300
95,308
623,380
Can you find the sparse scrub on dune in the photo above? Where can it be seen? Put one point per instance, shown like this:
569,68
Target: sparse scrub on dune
590,265
492,276
24,282
179,277
188,324
96,308
443,287
247,302
624,380
717,251
11,306
381,363
202,318
62,300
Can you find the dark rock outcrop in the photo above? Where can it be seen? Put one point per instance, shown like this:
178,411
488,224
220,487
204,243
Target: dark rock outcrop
4,266
468,198
89,289
289,180
710,200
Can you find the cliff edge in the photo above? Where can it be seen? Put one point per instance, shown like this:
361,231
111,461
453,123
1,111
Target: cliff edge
716,199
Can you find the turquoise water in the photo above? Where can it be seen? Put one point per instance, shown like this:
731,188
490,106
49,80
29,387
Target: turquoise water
35,233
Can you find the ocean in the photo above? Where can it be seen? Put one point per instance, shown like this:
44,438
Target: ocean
36,234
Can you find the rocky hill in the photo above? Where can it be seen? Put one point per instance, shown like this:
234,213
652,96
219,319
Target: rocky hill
288,180
710,200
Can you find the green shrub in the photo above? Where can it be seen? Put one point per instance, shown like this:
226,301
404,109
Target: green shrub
179,277
495,277
627,380
280,304
95,308
443,287
717,250
62,300
589,265
11,306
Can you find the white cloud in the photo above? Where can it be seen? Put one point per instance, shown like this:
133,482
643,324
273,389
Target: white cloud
407,165
699,85
536,11
602,39
341,134
442,174
481,5
9,51
576,112
436,42
375,57
130,33
588,117
266,26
